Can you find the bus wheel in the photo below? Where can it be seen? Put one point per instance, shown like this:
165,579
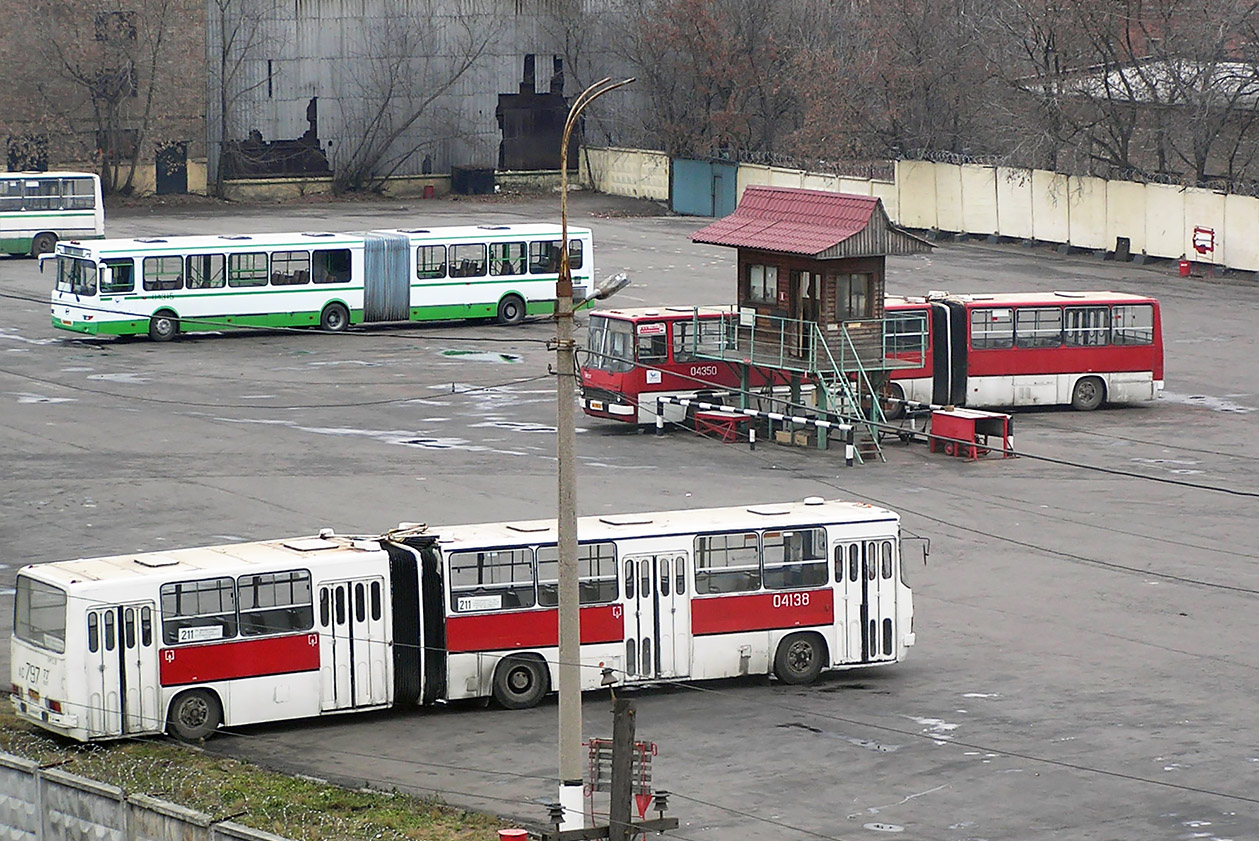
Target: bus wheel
893,408
511,310
194,715
1088,394
43,244
163,326
519,682
334,318
799,659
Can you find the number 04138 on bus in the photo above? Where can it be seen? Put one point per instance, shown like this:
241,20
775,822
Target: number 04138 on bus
185,641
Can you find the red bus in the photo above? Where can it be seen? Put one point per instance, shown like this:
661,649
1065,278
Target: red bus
1081,349
635,355
187,640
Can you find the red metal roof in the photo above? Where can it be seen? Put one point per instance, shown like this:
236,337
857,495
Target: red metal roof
791,220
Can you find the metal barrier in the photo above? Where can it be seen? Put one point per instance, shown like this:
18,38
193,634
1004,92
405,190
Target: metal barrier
846,429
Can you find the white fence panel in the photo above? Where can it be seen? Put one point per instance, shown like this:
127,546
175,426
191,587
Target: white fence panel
1125,214
79,809
949,197
1203,209
19,799
1164,220
754,175
1014,202
821,181
1051,221
1238,244
979,199
887,191
916,189
855,186
786,177
1086,208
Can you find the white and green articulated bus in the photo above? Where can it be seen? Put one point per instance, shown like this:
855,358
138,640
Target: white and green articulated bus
163,286
37,209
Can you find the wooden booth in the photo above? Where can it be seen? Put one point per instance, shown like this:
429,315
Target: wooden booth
811,269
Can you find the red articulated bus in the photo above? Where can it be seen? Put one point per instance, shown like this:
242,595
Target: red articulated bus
1080,349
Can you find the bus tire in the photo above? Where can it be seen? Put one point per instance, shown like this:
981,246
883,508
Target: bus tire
194,715
511,310
799,659
43,244
334,318
520,682
1088,394
894,408
163,326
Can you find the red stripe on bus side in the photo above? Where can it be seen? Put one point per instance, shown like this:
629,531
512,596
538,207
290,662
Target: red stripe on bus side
762,611
530,629
240,659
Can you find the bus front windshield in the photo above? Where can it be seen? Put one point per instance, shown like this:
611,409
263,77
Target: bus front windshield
76,276
39,614
610,345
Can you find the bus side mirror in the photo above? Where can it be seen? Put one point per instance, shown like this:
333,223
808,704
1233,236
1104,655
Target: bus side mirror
44,257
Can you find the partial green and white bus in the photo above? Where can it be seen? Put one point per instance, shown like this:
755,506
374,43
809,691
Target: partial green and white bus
39,208
163,286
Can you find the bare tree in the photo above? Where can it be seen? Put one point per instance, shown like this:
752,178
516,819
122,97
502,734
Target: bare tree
114,61
412,65
237,29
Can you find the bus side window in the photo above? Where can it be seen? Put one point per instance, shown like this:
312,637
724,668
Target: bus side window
124,276
498,579
727,563
331,266
507,258
430,262
276,603
652,343
163,274
630,578
1087,326
290,268
991,328
247,269
198,611
1133,324
206,271
467,260
93,632
544,257
79,194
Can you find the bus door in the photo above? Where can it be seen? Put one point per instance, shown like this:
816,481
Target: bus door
352,647
122,659
658,616
879,626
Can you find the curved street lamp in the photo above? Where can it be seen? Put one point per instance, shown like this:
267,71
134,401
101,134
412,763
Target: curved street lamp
569,666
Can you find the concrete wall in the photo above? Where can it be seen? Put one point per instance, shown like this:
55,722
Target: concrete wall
51,805
626,172
1158,220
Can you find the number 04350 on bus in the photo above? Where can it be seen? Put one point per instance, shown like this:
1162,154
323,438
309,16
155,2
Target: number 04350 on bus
187,640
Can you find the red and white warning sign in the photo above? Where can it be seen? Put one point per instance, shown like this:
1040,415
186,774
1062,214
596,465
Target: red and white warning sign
1204,240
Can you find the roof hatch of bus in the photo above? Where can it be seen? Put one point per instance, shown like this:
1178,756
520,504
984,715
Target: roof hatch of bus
769,510
1070,294
310,544
626,520
529,527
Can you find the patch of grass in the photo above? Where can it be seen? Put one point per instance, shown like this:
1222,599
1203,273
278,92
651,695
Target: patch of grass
222,788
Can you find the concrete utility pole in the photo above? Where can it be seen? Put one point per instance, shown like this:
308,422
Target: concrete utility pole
569,667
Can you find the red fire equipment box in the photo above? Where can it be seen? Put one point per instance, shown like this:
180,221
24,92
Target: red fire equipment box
966,432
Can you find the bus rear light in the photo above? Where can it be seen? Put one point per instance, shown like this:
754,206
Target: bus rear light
34,696
15,690
55,706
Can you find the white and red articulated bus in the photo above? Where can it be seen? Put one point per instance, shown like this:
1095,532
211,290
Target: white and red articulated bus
188,640
1080,349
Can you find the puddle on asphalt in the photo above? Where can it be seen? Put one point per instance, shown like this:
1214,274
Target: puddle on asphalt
1215,404
483,356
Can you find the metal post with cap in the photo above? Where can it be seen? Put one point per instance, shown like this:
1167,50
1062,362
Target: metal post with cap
568,596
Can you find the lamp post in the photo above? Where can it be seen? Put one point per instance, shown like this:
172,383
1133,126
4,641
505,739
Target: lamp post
569,667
